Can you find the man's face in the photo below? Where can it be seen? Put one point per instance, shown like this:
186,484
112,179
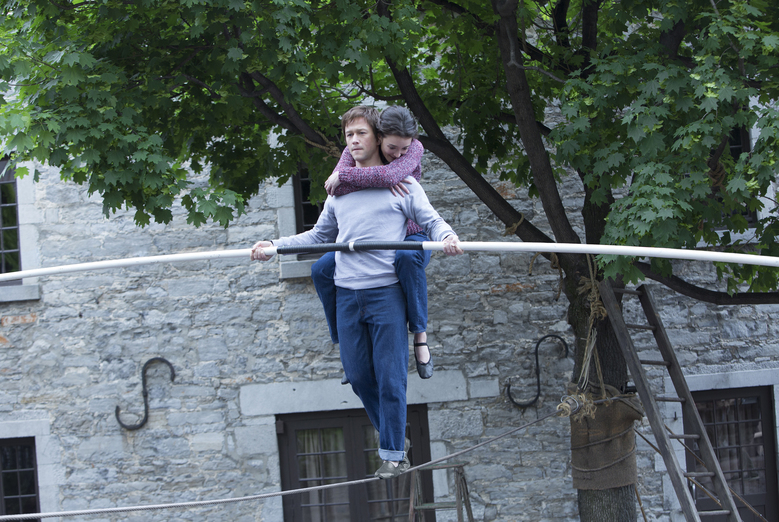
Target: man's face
394,147
362,141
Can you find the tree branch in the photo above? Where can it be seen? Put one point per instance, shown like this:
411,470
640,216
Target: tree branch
560,20
292,115
590,24
708,296
246,88
437,143
521,102
533,52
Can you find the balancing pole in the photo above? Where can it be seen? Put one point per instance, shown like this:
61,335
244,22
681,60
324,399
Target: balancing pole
468,246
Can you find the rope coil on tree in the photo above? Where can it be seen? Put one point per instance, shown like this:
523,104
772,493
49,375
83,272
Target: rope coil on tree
511,230
329,147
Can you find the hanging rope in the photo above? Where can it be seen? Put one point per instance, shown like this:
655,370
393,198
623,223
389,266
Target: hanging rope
589,286
567,406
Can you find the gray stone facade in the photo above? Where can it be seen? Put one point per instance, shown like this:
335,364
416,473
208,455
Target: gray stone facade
249,341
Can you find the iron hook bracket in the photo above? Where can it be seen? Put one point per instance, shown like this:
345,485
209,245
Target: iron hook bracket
145,393
524,405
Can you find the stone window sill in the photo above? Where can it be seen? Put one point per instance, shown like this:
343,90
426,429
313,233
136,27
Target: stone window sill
12,293
295,269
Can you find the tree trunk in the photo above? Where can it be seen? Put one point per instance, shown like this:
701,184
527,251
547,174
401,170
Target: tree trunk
610,505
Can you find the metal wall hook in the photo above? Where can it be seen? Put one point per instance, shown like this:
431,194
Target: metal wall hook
145,393
538,374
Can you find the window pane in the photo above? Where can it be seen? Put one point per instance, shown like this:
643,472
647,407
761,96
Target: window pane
706,410
309,467
308,441
10,484
10,239
7,193
10,262
755,482
8,216
335,465
7,457
733,480
13,506
333,439
26,457
27,482
29,505
372,460
337,513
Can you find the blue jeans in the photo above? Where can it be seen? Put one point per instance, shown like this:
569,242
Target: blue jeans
410,266
374,354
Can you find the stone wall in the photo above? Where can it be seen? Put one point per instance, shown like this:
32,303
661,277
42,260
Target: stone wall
235,332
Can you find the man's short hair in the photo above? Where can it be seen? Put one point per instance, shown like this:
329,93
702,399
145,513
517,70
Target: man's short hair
398,121
370,114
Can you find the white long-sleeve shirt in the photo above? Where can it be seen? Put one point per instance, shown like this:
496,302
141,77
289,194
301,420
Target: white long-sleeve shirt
370,215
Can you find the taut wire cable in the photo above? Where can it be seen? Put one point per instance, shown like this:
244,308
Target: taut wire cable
568,406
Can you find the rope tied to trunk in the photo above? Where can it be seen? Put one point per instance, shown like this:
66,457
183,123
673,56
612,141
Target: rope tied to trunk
589,286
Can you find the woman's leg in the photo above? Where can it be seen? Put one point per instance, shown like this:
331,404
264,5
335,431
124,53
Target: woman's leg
322,273
410,266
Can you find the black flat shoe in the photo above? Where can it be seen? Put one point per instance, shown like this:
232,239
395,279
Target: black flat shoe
425,370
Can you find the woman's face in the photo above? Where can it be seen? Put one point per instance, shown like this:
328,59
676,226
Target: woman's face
393,147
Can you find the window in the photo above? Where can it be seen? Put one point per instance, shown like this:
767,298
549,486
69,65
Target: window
740,424
331,447
18,480
10,257
740,144
306,213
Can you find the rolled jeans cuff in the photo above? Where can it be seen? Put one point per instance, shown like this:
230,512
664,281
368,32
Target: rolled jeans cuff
393,455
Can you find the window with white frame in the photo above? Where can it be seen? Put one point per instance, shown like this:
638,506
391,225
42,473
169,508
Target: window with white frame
10,253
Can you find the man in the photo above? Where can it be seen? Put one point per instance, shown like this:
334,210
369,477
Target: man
371,306
401,153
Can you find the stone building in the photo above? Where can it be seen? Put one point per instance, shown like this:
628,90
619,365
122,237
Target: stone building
256,405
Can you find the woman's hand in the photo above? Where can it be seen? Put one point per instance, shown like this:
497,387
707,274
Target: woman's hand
332,183
400,188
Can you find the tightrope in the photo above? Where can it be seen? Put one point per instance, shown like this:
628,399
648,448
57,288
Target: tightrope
569,405
468,246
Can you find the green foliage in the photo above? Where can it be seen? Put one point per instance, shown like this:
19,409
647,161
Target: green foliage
130,97
660,118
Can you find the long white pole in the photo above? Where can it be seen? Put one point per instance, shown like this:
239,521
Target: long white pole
468,246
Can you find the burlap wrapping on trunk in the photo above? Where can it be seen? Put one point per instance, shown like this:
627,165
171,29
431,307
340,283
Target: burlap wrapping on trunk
603,444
